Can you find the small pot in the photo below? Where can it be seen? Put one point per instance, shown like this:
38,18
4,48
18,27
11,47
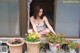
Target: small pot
15,48
53,48
72,51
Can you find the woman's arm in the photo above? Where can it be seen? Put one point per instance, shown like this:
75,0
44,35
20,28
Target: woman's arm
33,25
48,25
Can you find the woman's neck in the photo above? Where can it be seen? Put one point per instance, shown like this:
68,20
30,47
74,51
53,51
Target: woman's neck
38,18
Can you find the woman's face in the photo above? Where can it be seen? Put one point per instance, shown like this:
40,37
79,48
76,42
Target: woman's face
40,12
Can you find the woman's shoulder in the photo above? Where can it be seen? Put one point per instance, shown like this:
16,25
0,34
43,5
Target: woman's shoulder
32,17
44,17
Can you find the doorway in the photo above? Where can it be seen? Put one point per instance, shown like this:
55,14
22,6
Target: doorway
48,6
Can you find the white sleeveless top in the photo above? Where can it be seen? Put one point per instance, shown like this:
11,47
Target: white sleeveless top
40,26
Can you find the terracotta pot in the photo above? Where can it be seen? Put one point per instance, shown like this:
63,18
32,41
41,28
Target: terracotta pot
15,48
33,47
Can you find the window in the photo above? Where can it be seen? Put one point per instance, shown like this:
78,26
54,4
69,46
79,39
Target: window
68,18
48,7
9,18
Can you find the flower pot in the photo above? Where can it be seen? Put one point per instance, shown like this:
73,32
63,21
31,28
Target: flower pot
33,47
72,51
53,48
15,48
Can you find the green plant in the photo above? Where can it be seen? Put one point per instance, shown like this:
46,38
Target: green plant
33,37
17,41
55,39
72,45
42,45
60,38
51,38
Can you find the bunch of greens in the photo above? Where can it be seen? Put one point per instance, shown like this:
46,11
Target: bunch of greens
17,41
55,39
72,45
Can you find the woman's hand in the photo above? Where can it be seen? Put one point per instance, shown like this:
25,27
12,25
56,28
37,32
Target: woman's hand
57,34
39,35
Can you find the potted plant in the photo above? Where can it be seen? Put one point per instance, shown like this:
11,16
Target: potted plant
64,45
72,46
33,41
15,45
43,47
54,41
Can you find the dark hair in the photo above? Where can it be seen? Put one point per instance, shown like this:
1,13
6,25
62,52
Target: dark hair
36,12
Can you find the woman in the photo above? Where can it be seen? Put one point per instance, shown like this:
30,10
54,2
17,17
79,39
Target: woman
40,23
